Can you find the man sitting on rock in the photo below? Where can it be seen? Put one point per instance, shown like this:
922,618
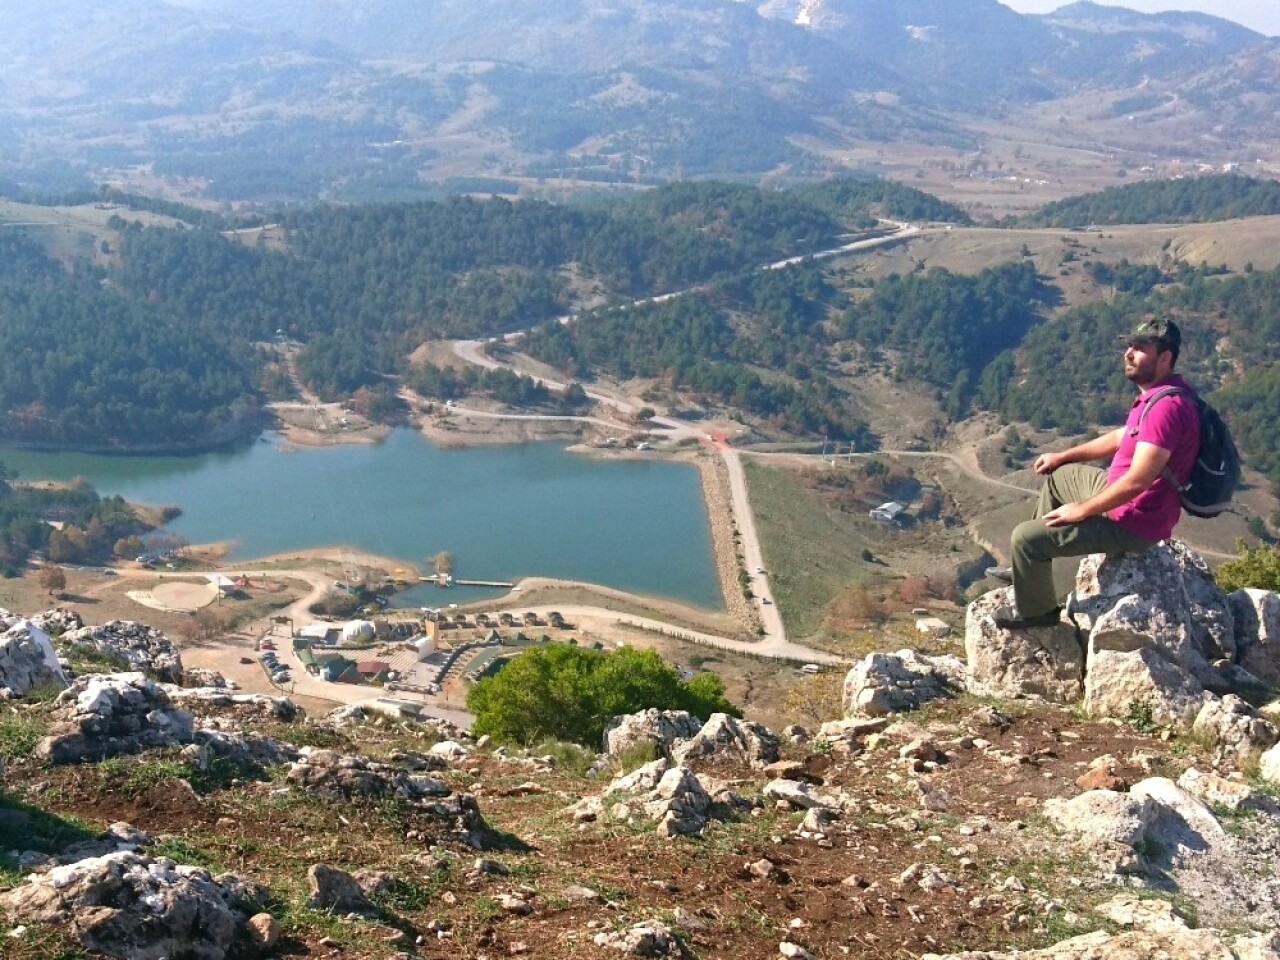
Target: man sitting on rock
1125,509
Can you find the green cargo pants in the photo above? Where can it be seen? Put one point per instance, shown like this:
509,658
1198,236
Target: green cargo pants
1034,545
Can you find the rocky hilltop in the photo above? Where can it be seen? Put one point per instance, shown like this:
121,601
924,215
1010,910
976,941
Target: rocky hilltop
1102,788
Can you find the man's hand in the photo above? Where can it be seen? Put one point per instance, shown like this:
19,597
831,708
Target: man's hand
1066,515
1046,463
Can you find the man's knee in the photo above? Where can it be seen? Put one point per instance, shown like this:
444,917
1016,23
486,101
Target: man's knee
1031,541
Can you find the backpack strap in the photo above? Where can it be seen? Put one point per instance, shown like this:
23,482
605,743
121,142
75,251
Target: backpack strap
1146,405
1160,394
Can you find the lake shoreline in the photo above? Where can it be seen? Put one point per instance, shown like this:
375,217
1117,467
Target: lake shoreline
662,545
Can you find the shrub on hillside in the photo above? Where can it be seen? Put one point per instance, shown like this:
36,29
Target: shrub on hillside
568,693
1258,567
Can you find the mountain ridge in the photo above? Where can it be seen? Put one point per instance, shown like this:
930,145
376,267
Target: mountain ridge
229,100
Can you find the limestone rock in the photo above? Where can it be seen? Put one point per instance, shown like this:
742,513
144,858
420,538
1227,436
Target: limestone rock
449,750
132,906
651,938
679,803
660,727
1257,637
1180,823
1155,599
1217,791
203,679
54,622
1151,929
340,777
263,930
1106,825
334,889
1269,765
724,737
800,795
884,683
106,716
1235,726
27,658
143,648
673,797
1047,663
1117,680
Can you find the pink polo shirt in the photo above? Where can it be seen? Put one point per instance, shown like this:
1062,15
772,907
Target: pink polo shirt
1172,424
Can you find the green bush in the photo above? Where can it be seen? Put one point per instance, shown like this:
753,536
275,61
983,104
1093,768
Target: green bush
563,692
1257,567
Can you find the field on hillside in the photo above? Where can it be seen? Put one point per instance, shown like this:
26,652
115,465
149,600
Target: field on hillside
1060,254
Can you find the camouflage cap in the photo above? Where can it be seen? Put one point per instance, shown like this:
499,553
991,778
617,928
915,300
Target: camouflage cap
1156,330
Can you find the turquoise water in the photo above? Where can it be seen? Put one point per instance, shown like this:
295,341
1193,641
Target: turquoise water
503,511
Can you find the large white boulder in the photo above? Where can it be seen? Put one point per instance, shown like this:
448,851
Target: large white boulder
1045,662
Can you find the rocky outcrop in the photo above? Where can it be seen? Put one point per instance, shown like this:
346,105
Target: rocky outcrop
347,777
672,797
659,727
27,659
1115,830
726,738
884,683
144,649
1047,662
54,622
651,938
133,906
1148,928
1108,827
1235,727
106,716
1158,636
1257,635
334,889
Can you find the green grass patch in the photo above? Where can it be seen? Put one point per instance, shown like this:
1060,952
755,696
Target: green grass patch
636,756
87,659
43,693
40,942
19,734
813,551
134,778
182,851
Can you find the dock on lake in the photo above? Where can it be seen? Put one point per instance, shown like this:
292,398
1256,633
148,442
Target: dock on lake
445,580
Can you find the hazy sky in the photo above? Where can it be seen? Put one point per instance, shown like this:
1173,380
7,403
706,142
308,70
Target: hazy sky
1260,15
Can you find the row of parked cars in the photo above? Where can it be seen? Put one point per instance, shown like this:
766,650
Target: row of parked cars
278,672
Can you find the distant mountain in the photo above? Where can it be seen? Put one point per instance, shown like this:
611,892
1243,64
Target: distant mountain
232,99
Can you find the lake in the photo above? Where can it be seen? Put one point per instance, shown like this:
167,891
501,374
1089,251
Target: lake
504,512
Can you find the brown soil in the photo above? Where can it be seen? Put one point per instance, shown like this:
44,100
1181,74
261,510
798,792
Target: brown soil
836,893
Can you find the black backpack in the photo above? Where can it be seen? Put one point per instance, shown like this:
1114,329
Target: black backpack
1216,472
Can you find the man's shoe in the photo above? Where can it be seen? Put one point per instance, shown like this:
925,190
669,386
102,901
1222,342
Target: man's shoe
1003,574
1050,619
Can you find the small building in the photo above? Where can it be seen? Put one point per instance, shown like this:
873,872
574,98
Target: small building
321,633
340,670
888,512
226,586
373,671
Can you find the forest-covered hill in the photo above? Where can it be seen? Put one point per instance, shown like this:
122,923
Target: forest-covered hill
181,337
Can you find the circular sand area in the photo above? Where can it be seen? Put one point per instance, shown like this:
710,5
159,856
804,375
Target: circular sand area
176,596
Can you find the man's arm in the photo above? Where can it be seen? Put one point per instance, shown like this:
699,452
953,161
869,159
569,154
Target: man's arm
1148,462
1099,448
